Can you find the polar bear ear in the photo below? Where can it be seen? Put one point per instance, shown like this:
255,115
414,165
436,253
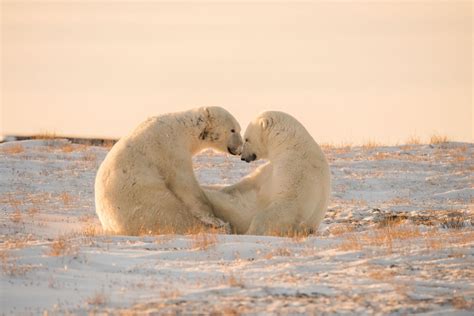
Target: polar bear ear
265,123
208,113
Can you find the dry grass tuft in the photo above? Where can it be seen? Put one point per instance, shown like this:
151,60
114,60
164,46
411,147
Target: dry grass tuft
91,230
459,158
391,221
45,135
282,252
381,274
295,235
199,228
279,252
399,201
3,256
340,229
109,143
413,140
381,156
393,231
13,149
438,139
370,145
434,243
10,266
300,236
462,149
89,156
67,148
235,282
17,242
392,234
66,198
16,217
226,311
203,240
49,139
383,238
170,294
32,211
459,302
61,247
351,243
453,222
162,232
98,299
339,149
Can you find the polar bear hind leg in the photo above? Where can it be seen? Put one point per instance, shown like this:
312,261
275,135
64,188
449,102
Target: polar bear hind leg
274,220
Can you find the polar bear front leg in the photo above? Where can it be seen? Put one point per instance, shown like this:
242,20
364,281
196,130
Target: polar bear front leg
187,189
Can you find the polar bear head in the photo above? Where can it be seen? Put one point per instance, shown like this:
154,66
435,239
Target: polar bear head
255,138
220,131
270,131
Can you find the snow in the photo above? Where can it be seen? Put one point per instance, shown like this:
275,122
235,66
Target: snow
398,238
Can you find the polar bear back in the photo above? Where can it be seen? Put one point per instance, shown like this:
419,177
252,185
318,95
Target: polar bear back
300,169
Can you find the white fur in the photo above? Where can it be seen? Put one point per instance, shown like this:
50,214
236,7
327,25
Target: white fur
146,184
290,193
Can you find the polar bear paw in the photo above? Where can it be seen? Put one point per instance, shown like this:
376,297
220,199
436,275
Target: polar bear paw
217,223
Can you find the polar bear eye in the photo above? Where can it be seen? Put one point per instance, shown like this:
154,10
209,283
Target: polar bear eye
247,140
232,130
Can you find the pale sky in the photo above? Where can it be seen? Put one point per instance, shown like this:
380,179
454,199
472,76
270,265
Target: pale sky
349,71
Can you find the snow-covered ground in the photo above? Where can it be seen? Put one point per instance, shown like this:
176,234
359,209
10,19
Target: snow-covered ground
398,239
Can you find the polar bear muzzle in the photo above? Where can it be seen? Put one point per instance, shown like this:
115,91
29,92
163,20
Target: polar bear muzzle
235,144
233,151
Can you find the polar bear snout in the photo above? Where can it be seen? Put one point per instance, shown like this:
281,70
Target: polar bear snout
249,158
234,147
234,151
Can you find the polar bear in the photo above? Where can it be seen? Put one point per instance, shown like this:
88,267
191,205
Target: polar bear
288,194
146,183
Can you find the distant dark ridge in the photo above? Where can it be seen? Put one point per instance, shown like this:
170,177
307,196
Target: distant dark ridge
75,140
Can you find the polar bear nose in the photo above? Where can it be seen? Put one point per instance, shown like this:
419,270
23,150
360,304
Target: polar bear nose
250,158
